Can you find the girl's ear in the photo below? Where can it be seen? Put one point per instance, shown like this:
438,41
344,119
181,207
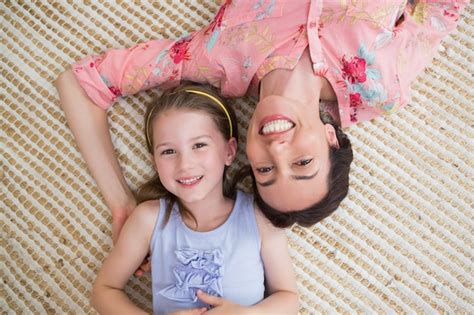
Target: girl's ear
231,151
331,136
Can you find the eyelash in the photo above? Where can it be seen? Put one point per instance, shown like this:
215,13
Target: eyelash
199,145
167,152
171,151
268,169
264,170
304,162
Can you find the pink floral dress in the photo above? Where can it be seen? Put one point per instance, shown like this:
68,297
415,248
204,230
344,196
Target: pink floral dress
358,46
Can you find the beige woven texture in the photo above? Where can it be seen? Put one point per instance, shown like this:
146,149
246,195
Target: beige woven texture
401,242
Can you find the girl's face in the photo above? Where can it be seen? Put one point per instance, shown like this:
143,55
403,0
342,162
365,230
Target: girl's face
288,149
190,154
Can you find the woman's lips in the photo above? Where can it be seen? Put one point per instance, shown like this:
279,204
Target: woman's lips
275,124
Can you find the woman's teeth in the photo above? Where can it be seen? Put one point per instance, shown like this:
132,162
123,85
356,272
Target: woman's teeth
277,126
189,181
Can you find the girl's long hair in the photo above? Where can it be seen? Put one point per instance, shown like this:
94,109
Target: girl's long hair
179,98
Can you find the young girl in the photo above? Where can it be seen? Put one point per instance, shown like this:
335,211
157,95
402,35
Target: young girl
209,246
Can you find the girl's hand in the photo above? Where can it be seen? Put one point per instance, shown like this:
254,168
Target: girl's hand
220,305
191,311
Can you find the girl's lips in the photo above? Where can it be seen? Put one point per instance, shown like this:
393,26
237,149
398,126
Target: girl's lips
272,118
189,182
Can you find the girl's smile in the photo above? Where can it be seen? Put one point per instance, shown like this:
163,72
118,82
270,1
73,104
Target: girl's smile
190,182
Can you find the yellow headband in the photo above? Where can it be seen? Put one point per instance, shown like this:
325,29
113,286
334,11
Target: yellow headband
216,100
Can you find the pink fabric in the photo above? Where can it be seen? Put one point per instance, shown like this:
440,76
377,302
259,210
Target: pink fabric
369,61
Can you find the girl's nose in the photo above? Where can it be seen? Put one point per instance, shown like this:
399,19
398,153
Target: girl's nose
185,161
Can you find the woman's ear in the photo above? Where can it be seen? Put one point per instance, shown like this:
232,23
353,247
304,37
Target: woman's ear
231,151
331,136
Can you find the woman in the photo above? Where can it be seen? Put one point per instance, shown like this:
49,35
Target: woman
291,54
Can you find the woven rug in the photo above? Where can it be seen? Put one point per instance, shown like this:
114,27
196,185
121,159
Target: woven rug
401,242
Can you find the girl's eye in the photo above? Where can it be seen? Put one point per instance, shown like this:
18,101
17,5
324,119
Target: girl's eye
264,170
199,145
304,162
168,152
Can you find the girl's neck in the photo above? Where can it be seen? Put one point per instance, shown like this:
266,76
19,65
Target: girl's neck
209,213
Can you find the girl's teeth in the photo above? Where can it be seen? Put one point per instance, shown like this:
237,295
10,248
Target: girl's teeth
190,180
277,126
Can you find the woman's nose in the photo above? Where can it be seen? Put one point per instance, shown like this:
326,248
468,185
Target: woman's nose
278,146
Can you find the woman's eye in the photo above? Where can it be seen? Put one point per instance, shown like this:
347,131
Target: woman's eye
304,162
264,170
167,152
199,145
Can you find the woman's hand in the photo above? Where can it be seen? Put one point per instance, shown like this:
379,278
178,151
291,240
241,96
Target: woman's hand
120,215
144,267
220,305
191,311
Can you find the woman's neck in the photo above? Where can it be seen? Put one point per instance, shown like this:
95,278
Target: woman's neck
209,213
300,82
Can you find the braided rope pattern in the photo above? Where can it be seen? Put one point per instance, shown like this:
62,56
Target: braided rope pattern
401,242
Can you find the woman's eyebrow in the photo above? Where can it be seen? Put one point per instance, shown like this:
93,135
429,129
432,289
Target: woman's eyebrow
296,177
305,177
267,183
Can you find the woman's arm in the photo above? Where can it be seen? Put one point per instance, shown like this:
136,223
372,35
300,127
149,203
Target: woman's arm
90,128
424,24
279,273
133,244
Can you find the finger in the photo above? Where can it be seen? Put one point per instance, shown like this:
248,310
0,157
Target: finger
199,311
209,299
146,267
138,273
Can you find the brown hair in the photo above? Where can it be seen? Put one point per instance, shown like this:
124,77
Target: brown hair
181,98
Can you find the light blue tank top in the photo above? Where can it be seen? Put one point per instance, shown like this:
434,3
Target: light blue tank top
223,262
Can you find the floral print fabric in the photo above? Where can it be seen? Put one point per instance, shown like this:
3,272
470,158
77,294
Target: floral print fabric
370,51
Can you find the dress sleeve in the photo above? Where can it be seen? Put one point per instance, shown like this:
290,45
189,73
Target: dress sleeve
425,24
120,72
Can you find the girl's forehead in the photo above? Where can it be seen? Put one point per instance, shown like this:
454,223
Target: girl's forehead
173,122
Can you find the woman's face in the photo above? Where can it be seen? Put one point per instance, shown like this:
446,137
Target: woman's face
288,150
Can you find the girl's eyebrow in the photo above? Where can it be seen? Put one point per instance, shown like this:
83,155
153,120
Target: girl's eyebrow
192,139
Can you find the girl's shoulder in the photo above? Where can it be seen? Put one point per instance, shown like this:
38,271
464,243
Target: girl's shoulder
146,213
149,207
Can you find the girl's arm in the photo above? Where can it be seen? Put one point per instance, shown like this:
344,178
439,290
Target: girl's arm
90,128
133,244
279,276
